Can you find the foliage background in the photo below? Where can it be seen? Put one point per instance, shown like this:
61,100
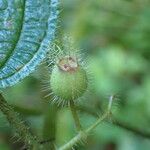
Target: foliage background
115,37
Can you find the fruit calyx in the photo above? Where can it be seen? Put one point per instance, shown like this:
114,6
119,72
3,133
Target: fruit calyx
68,63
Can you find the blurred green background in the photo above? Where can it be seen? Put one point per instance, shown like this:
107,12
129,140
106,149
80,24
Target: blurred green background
115,38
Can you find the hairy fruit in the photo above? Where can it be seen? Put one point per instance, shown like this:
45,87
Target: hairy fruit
68,79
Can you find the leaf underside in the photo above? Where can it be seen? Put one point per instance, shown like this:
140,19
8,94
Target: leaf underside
27,27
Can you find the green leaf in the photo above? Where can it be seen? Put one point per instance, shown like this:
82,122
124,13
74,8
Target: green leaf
27,27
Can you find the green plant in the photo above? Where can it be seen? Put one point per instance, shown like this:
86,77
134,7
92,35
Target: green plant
23,46
68,82
27,29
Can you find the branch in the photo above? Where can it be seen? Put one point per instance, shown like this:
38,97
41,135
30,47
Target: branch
17,123
82,135
75,116
116,122
49,127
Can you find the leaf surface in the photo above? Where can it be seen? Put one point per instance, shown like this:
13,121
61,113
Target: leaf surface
27,27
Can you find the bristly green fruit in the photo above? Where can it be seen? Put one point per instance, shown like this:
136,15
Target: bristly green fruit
68,79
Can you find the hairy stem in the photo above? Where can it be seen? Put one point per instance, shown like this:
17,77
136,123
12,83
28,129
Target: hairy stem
79,137
75,116
17,123
117,122
103,117
82,135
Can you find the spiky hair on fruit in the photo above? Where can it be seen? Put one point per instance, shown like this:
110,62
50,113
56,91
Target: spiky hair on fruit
68,77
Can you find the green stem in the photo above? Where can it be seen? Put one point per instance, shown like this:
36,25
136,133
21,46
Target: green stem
97,122
116,122
49,128
82,135
13,118
75,116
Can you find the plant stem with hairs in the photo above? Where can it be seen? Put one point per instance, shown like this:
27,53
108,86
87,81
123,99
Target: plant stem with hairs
82,135
116,122
18,124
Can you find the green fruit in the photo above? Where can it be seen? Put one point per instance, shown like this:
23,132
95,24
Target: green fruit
68,79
